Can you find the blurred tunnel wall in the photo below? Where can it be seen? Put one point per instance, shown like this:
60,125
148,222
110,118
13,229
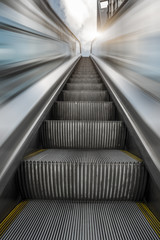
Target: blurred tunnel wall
30,32
131,40
127,53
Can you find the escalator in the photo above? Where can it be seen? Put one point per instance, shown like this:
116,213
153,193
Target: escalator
82,182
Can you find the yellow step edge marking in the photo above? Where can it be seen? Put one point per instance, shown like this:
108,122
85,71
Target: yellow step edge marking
153,221
35,153
4,225
132,156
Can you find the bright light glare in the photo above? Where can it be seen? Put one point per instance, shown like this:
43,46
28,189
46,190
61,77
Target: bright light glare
98,34
89,36
104,4
81,19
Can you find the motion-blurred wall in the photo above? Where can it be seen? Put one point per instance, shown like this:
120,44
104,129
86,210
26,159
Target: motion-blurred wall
131,41
29,30
127,53
33,42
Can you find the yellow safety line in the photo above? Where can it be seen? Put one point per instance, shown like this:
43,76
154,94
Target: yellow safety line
132,155
35,153
153,221
4,225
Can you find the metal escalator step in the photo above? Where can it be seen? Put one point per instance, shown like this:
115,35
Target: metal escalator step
84,111
85,95
85,175
84,75
85,80
81,72
86,66
78,220
91,71
85,86
83,134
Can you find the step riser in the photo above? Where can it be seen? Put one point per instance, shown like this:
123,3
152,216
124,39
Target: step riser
81,73
83,111
87,80
82,181
85,76
85,96
83,134
85,86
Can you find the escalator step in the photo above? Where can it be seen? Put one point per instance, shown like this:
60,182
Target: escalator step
88,73
85,95
85,80
85,86
84,111
85,76
83,134
76,174
72,220
80,75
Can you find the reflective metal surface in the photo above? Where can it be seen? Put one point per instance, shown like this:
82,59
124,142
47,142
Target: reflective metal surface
142,111
33,42
25,114
128,53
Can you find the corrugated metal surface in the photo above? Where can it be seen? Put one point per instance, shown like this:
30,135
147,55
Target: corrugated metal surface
85,86
76,174
85,95
84,80
83,134
84,75
84,111
80,221
86,71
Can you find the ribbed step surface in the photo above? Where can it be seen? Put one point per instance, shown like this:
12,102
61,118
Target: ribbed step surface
83,134
70,220
80,75
86,72
85,96
84,111
84,80
76,174
85,86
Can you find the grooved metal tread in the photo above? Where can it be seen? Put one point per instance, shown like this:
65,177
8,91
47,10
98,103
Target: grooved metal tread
85,72
83,134
85,76
76,174
71,220
84,80
83,110
85,156
85,95
85,86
